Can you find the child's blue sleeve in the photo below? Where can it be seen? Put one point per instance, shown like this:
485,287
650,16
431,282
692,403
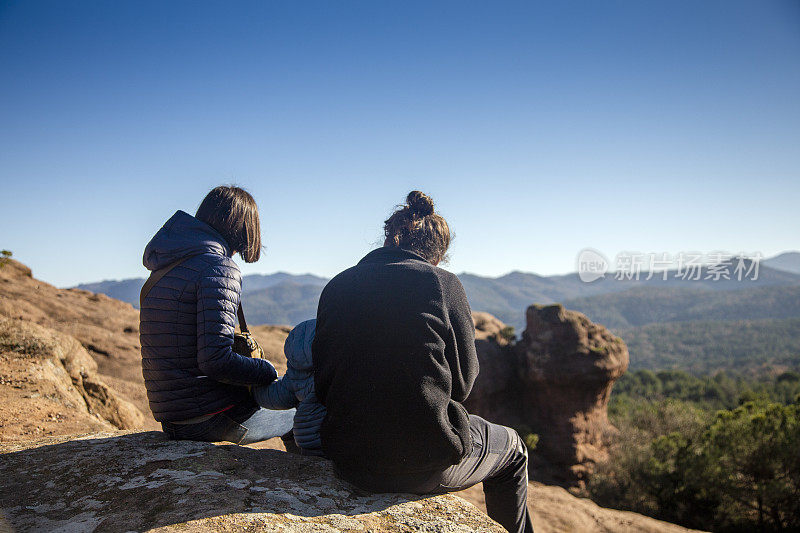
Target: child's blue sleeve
276,395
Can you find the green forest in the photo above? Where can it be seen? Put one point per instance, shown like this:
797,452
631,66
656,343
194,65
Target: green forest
754,347
650,305
719,453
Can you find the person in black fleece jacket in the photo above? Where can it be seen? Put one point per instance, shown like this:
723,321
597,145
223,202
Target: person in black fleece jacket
394,358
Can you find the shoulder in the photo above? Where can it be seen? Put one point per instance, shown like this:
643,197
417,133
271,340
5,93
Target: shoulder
216,266
447,278
452,288
341,281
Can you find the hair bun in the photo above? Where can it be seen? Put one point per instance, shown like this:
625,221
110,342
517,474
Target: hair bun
420,203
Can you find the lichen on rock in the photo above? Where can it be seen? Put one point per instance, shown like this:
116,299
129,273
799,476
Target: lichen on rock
142,481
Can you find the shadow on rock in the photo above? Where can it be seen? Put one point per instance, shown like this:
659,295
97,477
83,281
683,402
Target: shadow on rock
139,481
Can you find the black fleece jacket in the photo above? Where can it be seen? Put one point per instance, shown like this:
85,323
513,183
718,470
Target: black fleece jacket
394,358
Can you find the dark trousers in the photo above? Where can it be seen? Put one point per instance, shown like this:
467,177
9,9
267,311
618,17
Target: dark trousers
500,460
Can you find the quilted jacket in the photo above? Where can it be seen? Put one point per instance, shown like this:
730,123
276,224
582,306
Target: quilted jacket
187,322
296,389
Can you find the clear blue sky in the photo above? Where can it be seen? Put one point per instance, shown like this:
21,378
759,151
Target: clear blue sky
538,128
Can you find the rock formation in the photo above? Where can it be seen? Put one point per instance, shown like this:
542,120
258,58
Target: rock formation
556,382
555,510
49,385
496,395
107,328
125,481
141,481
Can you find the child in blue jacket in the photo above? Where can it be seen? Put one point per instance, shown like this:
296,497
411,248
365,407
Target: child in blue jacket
296,389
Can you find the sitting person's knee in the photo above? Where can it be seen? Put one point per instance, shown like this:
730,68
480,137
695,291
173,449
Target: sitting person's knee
518,444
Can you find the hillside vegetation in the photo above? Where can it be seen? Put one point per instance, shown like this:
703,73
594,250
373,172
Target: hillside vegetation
647,305
715,453
752,330
746,346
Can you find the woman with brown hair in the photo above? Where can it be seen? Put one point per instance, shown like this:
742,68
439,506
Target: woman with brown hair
394,358
197,386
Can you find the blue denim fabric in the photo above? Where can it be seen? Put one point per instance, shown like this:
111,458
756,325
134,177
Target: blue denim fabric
262,425
266,424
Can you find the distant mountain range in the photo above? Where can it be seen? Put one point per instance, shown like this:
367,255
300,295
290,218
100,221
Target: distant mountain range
279,298
650,305
788,262
751,347
507,296
284,298
659,318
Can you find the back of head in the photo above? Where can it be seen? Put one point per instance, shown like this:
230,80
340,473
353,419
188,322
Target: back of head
417,228
233,212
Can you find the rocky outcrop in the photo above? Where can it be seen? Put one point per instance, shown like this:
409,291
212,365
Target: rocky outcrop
555,510
497,393
140,481
570,365
271,339
107,328
49,385
556,382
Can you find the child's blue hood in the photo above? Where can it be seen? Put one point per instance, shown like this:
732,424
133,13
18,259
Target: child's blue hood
297,347
182,235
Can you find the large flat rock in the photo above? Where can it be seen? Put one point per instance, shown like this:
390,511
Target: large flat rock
555,510
142,482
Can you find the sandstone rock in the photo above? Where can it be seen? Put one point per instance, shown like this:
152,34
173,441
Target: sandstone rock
271,339
556,381
143,482
557,511
108,329
570,366
49,385
497,393
489,327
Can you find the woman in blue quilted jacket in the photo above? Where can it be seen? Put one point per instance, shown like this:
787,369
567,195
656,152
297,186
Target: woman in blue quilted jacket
197,386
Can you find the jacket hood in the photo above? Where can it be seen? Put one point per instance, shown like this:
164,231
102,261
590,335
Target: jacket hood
182,235
297,347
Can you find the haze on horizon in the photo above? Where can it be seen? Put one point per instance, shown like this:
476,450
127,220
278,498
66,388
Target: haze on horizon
539,129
